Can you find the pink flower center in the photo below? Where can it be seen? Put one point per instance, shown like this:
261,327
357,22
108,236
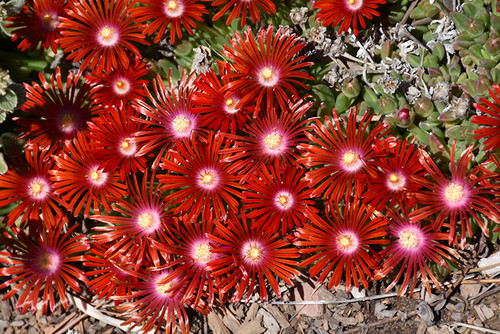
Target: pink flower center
396,181
162,288
208,179
252,252
122,86
231,103
408,239
50,21
354,4
49,261
128,147
351,161
107,36
97,177
347,242
182,125
268,76
201,252
67,124
284,200
38,188
146,220
454,193
273,143
173,8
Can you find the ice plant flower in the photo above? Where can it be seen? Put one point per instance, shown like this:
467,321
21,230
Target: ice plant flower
343,154
342,244
38,24
394,180
490,121
200,180
28,181
276,197
347,13
100,33
140,220
170,118
119,86
152,300
112,141
414,246
190,250
266,69
251,6
218,112
164,13
43,262
248,256
458,198
80,181
267,139
60,110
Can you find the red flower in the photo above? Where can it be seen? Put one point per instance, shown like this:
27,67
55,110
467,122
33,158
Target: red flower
461,196
267,139
38,23
43,263
491,121
172,12
112,142
151,300
343,154
27,181
81,182
342,243
100,35
169,119
347,12
250,255
140,220
119,86
61,110
267,67
190,250
276,196
218,113
109,279
252,6
201,181
393,182
414,246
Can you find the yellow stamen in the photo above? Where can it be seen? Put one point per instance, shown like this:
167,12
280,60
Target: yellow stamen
229,102
345,242
208,178
408,239
125,144
36,188
95,175
162,288
107,33
393,178
145,220
453,193
48,261
350,158
266,73
253,252
202,252
351,1
181,124
272,141
283,200
67,122
172,5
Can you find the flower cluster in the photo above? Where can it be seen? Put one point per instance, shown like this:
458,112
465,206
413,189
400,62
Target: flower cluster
221,185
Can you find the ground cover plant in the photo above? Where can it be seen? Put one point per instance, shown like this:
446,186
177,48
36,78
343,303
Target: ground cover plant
183,154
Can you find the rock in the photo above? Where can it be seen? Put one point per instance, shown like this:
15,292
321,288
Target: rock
269,322
252,327
457,316
4,323
422,328
470,290
424,311
306,292
9,330
382,312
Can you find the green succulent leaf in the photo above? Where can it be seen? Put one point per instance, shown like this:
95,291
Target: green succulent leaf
8,102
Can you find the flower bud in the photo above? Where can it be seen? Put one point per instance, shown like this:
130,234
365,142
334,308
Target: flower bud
351,88
423,107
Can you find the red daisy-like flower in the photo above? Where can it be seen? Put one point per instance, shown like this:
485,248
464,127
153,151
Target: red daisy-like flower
276,196
266,67
393,182
462,196
100,33
414,246
43,262
61,110
218,112
108,275
38,23
252,6
140,221
169,119
170,12
249,256
27,180
347,13
343,154
342,243
112,141
152,300
200,179
267,139
190,250
81,182
490,123
120,85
